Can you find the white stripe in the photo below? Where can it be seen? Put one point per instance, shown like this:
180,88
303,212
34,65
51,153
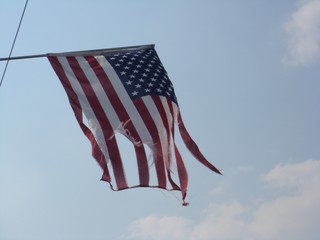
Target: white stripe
170,118
175,111
100,93
154,113
167,110
85,106
125,100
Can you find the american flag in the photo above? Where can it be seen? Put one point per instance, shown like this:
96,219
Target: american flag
128,91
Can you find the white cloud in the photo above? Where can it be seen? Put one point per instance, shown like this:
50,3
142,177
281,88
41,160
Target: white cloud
290,215
303,29
221,221
294,175
160,228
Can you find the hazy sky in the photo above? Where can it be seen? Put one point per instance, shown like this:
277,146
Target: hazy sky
246,75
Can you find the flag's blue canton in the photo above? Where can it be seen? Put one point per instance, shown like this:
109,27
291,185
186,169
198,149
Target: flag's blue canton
142,73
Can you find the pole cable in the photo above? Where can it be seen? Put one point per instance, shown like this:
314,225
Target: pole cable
14,41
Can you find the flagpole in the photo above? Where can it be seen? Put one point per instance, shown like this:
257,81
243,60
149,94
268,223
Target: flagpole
23,57
86,52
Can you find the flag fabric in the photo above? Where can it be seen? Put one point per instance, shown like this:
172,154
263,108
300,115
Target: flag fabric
127,91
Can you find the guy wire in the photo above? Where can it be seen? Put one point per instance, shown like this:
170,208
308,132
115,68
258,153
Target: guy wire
14,41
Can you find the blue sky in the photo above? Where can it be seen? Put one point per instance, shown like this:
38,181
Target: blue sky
246,75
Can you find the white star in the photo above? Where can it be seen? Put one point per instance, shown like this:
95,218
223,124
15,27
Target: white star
147,90
123,73
129,63
126,67
153,79
138,85
118,65
141,80
134,93
144,75
129,82
138,66
132,76
159,90
156,74
147,70
150,84
141,61
135,71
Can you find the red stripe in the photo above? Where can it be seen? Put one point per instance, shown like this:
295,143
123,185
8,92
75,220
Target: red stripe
107,129
192,146
152,128
124,117
182,171
75,104
164,119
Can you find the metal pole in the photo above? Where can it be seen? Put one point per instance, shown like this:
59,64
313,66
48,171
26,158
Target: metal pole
22,57
79,53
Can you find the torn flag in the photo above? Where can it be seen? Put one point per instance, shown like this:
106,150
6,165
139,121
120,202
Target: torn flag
127,91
